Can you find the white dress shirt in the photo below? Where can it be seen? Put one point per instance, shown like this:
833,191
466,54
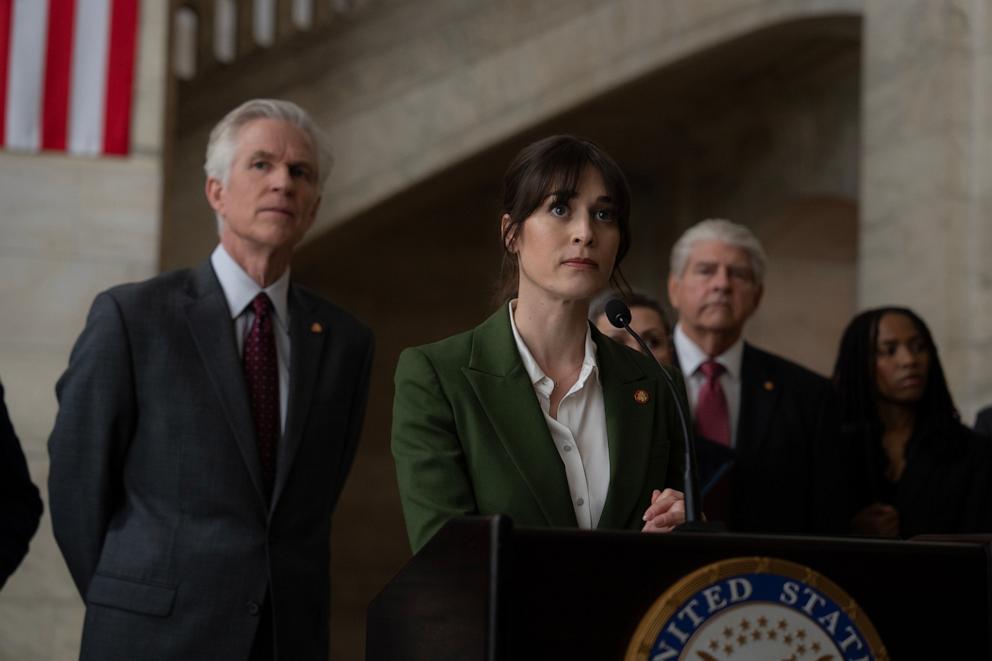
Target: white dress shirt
240,290
579,433
691,357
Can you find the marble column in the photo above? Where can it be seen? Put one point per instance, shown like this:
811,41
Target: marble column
926,232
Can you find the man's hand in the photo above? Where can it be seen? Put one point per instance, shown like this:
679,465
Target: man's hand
667,510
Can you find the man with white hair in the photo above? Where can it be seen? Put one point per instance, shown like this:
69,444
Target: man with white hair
207,421
766,435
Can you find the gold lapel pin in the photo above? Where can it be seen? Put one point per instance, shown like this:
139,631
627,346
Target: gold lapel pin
769,386
316,327
641,396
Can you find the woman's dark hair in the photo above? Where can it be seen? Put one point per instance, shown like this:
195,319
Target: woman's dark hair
639,300
555,165
854,378
633,299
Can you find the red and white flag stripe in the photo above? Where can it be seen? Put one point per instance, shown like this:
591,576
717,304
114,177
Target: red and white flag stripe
66,75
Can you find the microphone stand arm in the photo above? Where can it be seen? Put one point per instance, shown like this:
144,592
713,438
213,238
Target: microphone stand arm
689,475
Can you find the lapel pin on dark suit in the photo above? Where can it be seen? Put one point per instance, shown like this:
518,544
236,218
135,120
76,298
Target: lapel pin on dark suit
641,396
769,386
316,327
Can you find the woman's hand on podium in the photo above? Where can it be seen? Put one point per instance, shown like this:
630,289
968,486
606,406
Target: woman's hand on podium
667,510
877,519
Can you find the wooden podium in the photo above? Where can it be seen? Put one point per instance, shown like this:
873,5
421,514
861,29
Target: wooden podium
483,590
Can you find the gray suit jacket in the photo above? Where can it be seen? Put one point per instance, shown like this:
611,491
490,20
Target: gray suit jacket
155,486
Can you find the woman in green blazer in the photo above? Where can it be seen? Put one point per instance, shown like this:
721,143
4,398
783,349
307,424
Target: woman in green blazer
534,413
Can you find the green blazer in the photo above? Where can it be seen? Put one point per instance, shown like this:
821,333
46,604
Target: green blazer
469,436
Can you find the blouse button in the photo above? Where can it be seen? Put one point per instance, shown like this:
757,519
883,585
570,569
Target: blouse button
580,502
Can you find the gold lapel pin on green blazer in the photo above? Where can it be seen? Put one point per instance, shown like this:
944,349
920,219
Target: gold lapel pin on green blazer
469,436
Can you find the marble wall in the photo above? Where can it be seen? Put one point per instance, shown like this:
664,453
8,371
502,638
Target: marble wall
926,186
70,227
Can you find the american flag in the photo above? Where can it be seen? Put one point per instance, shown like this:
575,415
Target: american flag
66,75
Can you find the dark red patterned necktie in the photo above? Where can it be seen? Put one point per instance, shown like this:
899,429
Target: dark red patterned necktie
712,412
262,376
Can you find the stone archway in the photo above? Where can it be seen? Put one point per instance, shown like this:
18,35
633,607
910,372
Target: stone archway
409,89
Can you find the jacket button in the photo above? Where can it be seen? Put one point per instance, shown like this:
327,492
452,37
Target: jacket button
253,608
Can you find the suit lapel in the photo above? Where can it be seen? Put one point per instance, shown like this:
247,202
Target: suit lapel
629,421
759,392
208,316
506,394
306,339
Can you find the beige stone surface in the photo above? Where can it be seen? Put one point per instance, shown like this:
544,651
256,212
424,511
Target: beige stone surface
926,175
811,284
498,91
51,281
100,211
69,227
151,79
54,295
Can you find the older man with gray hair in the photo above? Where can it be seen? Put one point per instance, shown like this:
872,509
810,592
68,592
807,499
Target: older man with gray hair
207,421
766,434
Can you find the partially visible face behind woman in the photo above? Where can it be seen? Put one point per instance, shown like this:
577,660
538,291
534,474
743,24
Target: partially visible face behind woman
902,360
647,323
567,247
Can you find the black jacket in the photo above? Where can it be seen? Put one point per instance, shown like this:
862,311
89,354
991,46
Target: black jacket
787,469
20,505
945,487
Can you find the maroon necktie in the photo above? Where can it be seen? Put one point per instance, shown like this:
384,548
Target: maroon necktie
262,376
712,412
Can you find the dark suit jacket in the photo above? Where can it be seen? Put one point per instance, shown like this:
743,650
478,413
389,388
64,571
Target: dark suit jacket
983,421
469,436
156,490
20,505
945,486
788,472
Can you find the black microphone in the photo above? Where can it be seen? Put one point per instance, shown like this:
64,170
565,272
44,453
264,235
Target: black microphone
619,315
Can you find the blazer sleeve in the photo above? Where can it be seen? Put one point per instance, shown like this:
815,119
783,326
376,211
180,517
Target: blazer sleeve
433,479
94,425
20,505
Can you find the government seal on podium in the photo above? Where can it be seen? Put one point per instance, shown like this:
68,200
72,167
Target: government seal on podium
755,608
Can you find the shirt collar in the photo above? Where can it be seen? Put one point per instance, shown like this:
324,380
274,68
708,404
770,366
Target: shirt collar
240,289
536,374
691,356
